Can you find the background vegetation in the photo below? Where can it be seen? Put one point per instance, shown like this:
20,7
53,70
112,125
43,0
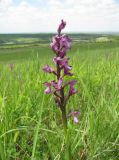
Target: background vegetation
30,123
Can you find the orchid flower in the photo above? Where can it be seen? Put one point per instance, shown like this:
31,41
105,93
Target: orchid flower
60,45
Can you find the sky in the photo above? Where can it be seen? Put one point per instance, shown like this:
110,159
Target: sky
35,16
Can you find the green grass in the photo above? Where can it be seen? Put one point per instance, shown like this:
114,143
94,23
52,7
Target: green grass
30,123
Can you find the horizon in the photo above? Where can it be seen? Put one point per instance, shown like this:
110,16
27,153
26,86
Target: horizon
102,32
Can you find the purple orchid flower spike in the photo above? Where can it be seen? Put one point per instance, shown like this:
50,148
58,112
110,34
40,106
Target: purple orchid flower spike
60,45
61,26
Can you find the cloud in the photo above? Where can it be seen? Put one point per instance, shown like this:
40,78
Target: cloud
5,3
43,16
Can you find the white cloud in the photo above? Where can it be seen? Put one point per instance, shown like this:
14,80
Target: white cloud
81,15
4,5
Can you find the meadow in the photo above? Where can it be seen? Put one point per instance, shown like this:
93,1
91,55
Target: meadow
30,123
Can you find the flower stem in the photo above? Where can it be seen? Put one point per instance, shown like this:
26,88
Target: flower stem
64,120
66,134
64,117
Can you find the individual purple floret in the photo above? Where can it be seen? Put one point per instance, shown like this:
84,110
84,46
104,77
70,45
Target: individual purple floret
48,69
75,115
59,84
61,26
48,89
54,44
63,63
72,89
60,45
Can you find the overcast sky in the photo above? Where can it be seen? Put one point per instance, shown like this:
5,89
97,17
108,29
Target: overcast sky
45,15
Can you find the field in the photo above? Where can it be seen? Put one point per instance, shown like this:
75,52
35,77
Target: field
30,123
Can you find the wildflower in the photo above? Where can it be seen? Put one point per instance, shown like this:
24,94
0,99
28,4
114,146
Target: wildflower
60,45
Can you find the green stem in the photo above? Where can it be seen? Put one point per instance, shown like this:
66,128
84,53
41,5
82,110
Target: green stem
64,117
64,121
66,134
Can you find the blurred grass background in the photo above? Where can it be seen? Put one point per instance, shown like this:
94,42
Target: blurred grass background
30,123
